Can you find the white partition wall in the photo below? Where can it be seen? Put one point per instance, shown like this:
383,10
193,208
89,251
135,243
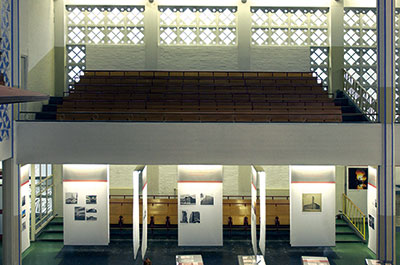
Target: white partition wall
372,209
25,203
144,212
253,209
200,205
135,212
312,206
261,180
86,205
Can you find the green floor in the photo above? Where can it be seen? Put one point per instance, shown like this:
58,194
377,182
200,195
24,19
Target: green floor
163,251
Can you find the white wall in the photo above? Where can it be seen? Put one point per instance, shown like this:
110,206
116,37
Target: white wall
191,143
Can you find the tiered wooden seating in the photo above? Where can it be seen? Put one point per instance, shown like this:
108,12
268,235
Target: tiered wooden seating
199,96
160,208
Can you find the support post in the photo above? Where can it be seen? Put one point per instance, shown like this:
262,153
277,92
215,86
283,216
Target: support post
11,221
336,49
386,91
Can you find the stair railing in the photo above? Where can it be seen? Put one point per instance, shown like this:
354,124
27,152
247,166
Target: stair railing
354,215
367,104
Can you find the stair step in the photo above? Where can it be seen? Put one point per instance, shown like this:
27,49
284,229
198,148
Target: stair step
56,100
45,116
51,237
348,238
49,108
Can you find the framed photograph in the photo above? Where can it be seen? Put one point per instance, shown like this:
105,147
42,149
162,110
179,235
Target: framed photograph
187,199
312,202
71,198
357,178
194,217
91,199
206,199
80,213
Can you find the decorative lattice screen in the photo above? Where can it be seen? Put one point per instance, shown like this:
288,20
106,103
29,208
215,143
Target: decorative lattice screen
197,25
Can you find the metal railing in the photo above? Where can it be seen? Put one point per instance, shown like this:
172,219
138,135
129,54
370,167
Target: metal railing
366,102
354,215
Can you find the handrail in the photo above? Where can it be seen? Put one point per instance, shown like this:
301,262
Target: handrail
354,215
367,104
243,197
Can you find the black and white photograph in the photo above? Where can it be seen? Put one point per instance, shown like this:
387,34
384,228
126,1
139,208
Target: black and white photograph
194,217
206,199
23,200
371,221
184,219
71,198
80,213
91,210
23,226
91,218
187,199
91,199
312,202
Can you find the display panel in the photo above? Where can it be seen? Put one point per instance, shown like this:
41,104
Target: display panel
312,206
86,205
262,181
24,207
372,208
200,206
135,212
253,209
144,212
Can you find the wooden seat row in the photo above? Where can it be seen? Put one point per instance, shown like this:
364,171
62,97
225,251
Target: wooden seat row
159,209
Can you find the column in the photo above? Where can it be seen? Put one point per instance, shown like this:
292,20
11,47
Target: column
386,89
59,49
11,222
336,50
244,35
151,35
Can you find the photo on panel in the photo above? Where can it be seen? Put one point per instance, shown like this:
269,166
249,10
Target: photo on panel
23,200
187,199
312,202
206,199
79,213
358,178
91,199
91,210
184,218
91,218
23,214
71,198
23,226
194,217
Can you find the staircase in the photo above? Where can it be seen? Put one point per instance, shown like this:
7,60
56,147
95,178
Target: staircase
49,111
54,231
350,112
344,233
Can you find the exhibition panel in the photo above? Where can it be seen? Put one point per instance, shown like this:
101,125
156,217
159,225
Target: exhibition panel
251,260
254,209
200,205
261,178
372,208
144,212
25,203
314,260
86,204
135,212
312,206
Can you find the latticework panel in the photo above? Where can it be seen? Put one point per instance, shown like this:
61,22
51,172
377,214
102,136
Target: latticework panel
319,64
289,26
76,63
197,25
105,25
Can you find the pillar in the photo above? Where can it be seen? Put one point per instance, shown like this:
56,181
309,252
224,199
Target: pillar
59,49
336,50
11,221
151,35
244,35
386,88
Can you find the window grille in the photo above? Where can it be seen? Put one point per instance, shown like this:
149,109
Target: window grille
99,25
197,25
286,26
